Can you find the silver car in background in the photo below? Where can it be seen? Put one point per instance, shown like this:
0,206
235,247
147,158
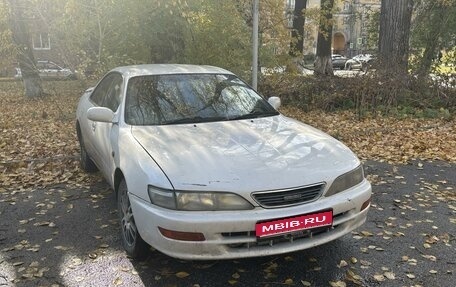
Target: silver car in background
203,167
50,71
359,62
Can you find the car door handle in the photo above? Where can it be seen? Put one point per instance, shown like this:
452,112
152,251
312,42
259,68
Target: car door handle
94,125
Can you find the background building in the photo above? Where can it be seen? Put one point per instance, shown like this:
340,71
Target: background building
355,26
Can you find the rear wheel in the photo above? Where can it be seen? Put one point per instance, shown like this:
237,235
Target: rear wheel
132,242
85,161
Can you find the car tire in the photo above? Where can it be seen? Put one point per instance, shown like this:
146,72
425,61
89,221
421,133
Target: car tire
86,162
349,67
134,245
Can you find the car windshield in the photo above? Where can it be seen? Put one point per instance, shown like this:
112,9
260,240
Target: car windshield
191,98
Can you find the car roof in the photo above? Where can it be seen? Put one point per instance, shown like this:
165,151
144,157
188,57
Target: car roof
169,69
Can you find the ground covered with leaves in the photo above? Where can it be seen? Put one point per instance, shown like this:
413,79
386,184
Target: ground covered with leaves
391,139
38,144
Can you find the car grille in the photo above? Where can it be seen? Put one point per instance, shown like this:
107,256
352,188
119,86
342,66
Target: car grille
288,197
274,240
248,239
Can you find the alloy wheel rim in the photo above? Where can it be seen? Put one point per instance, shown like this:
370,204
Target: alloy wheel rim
129,230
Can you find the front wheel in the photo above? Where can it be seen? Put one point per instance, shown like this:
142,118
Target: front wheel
132,242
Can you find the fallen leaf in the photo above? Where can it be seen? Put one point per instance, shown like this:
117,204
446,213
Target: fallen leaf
390,275
342,263
337,284
118,281
365,263
430,257
182,274
355,278
61,248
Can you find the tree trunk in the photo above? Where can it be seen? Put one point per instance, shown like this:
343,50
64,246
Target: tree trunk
25,58
297,33
430,53
395,18
323,64
438,20
100,32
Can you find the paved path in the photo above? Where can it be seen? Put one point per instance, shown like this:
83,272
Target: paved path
68,236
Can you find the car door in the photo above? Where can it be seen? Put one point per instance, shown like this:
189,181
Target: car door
96,99
42,69
53,70
105,134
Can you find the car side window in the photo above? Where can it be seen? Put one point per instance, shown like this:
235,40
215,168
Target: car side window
52,66
112,99
99,94
40,66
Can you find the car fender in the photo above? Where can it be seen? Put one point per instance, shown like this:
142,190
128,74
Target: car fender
137,166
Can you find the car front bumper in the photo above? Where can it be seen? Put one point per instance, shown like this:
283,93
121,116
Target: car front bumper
231,234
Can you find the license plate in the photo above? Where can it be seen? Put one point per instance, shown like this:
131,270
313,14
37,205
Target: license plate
297,223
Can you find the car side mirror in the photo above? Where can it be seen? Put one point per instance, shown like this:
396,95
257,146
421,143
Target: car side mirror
100,114
274,102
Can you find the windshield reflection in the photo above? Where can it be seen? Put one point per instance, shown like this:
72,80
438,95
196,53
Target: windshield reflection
191,98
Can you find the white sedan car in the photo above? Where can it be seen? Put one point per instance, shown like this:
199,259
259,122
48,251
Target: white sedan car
205,168
49,71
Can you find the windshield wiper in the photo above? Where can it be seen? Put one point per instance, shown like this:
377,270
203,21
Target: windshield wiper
255,114
193,120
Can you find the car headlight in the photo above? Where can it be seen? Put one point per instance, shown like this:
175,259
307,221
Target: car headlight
197,201
346,181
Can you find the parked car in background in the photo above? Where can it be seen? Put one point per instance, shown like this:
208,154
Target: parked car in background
360,62
365,58
50,71
338,61
353,64
204,167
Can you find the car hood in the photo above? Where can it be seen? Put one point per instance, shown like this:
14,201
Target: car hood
245,155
